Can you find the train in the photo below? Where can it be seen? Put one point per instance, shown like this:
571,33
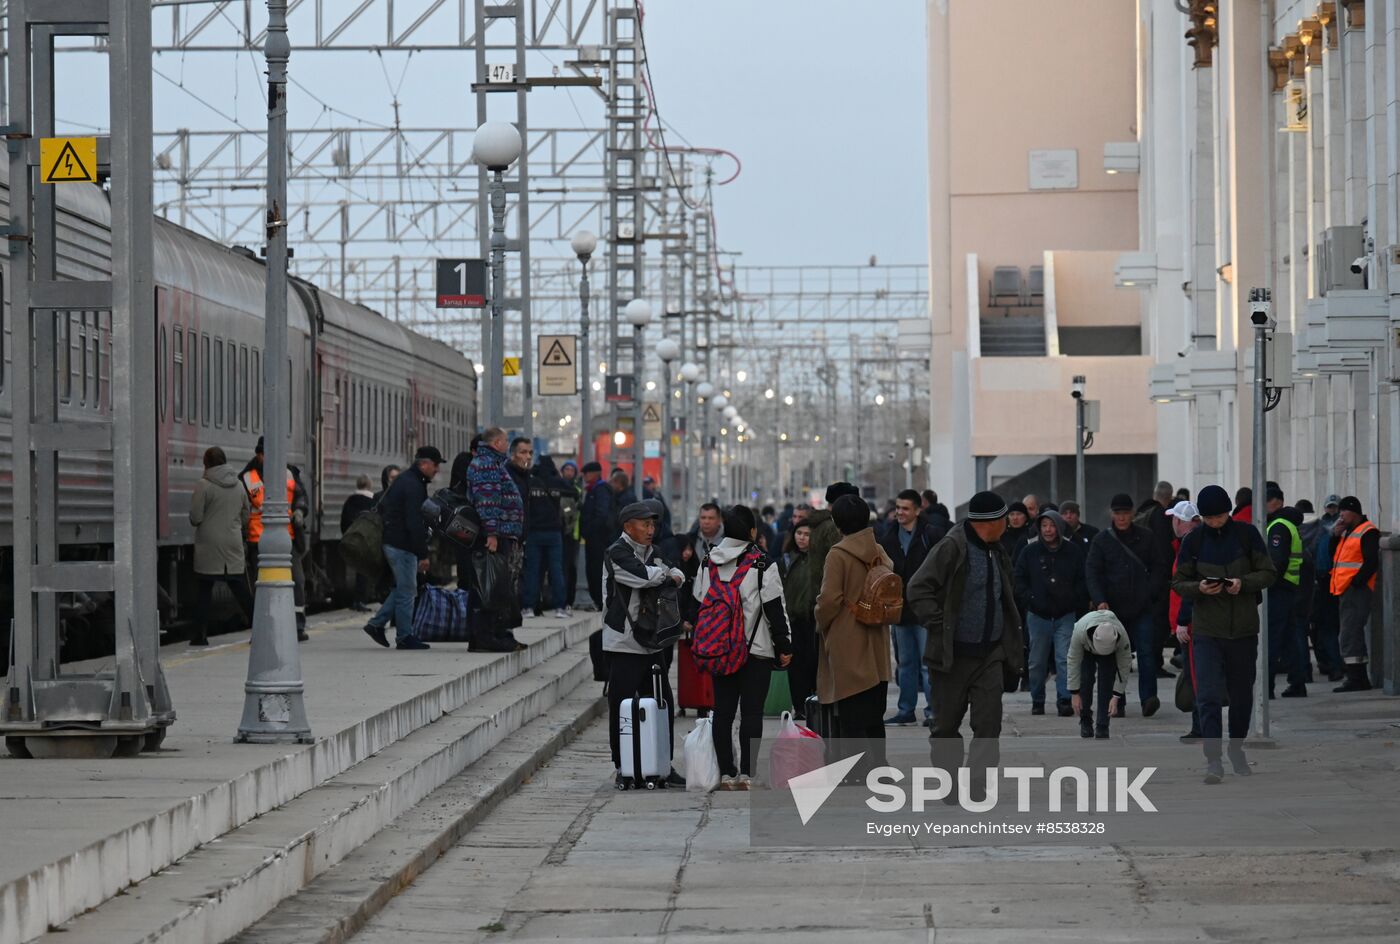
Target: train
366,393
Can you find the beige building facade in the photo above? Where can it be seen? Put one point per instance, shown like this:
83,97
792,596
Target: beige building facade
1027,226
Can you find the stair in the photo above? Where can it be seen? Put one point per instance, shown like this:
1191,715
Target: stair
1013,336
229,883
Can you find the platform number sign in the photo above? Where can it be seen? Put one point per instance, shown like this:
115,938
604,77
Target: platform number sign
461,283
620,388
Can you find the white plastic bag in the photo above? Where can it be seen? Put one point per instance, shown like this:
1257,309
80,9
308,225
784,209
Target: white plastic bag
701,764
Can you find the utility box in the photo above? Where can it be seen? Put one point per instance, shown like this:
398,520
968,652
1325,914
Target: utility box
1280,363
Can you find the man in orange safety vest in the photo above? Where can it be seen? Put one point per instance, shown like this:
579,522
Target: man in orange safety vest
1355,563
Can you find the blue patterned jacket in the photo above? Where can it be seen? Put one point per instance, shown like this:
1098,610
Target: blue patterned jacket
494,494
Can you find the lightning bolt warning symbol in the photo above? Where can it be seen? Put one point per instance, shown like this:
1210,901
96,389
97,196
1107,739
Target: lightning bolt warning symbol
68,160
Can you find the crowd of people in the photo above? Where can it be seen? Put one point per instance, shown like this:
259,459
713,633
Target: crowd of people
1009,597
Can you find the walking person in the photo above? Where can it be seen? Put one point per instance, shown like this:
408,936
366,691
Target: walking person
1222,569
1100,656
1355,565
633,565
1050,586
544,538
219,511
1125,572
357,503
800,587
405,548
1186,518
907,544
736,559
853,662
963,596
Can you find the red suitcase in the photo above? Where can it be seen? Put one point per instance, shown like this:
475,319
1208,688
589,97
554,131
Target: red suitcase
696,689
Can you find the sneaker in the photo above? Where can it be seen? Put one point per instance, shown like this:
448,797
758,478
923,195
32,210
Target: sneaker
674,779
561,614
568,612
301,635
727,783
1215,771
411,642
1101,734
377,634
1191,737
743,782
1296,691
1149,707
900,720
1038,708
1239,762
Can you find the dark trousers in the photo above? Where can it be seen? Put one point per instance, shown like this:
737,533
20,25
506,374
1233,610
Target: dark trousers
1096,672
744,692
630,673
972,685
238,584
860,725
1326,625
570,570
1224,666
802,671
543,553
593,551
1283,646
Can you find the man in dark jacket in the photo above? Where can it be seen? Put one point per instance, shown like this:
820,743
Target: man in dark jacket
1125,574
357,503
1222,568
1160,524
405,548
908,543
544,537
501,507
1285,544
570,506
1076,529
595,527
1050,587
1018,530
964,598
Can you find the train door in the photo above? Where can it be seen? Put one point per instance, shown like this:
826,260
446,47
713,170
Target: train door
164,320
324,399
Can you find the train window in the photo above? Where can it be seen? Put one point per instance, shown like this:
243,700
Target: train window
208,374
162,372
81,342
218,363
378,422
257,392
243,386
177,385
63,352
192,354
232,385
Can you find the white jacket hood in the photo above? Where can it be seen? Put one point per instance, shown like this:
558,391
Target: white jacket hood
728,551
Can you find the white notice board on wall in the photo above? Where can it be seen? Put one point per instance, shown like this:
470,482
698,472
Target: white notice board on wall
1056,169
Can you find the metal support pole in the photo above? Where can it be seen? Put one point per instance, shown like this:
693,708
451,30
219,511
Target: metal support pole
1079,455
589,450
666,493
909,463
708,491
495,366
1260,476
639,367
273,710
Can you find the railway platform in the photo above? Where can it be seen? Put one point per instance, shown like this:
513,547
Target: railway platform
390,728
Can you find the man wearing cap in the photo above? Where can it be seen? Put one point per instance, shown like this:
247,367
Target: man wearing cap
1286,549
1317,542
1126,571
633,564
1100,656
1222,569
1018,529
963,596
1077,530
1356,546
1185,518
405,548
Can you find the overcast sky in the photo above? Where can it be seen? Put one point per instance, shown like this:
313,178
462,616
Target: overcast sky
823,101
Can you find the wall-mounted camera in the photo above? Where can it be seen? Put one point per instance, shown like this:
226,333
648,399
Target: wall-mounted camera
1261,307
1076,389
1358,265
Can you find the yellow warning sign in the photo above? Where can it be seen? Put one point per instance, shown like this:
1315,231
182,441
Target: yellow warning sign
510,367
68,160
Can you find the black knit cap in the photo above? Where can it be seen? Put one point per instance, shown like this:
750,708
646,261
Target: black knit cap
1273,492
1018,506
850,514
1350,503
592,467
1213,500
836,489
1121,502
987,506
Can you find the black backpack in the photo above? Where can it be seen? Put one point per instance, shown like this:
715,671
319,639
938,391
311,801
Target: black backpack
450,514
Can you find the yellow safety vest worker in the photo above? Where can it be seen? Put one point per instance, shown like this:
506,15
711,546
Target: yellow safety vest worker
1348,560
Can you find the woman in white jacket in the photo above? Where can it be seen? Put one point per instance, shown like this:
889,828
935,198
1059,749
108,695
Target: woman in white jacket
765,631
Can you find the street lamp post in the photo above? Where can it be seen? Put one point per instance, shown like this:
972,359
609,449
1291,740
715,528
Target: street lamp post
1080,423
690,372
583,245
273,707
668,350
638,314
496,144
703,391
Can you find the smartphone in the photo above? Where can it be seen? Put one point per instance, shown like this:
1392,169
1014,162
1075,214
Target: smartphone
1217,581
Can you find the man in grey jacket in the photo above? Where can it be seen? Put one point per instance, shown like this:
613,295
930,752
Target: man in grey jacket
219,511
631,564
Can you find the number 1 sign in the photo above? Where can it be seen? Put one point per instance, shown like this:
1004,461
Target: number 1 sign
461,283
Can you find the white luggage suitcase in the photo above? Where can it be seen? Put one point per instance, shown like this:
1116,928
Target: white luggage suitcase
644,740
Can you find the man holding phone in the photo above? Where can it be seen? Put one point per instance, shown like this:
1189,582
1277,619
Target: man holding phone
1222,568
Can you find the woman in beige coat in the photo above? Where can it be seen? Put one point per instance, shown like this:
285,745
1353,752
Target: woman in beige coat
219,511
853,659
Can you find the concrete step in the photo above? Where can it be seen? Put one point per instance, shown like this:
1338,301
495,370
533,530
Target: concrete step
229,883
338,903
79,834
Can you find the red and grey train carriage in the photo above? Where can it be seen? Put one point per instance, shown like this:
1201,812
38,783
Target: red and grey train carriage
366,392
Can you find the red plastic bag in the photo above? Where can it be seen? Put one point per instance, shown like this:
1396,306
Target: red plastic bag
797,750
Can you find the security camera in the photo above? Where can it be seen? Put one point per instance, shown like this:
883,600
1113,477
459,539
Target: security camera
1358,265
1076,389
1261,307
909,442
